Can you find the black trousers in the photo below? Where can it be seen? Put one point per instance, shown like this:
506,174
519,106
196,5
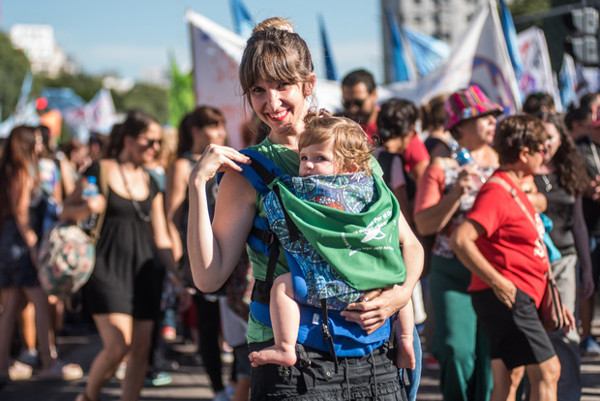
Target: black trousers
208,332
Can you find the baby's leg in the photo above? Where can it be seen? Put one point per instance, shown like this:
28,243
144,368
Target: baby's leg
405,354
285,319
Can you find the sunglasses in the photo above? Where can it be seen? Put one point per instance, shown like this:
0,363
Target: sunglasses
353,102
149,143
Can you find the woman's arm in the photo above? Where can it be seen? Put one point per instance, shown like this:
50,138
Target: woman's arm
215,249
582,244
370,314
20,199
464,247
75,208
175,193
440,208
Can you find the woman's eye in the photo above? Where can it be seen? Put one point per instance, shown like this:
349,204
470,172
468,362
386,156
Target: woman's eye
256,90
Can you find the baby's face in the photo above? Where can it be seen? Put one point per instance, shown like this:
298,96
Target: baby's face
317,159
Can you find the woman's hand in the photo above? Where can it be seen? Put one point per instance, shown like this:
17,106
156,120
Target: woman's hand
96,204
506,291
216,158
373,310
570,322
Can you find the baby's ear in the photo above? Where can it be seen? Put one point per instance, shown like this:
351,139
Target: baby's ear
352,168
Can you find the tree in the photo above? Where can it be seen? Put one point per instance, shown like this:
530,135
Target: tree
148,98
13,68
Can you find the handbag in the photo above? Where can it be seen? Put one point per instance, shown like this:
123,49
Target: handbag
67,253
551,309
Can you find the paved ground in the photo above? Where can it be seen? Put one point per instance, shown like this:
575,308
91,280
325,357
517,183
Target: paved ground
191,383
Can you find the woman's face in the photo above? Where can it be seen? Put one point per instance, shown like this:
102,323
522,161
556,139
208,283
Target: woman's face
281,105
210,134
479,130
147,144
535,158
399,144
553,142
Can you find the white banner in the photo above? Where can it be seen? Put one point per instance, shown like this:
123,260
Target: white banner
537,69
479,57
216,54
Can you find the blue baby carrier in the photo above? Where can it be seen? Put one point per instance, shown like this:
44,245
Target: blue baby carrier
322,298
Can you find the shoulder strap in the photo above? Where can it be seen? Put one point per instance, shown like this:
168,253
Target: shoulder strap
513,193
103,184
385,160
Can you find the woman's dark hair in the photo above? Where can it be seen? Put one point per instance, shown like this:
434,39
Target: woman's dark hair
202,116
434,114
586,100
18,158
580,114
516,132
136,123
45,131
396,118
570,168
538,102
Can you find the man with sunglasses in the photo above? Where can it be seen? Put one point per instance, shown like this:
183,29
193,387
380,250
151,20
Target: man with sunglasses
359,98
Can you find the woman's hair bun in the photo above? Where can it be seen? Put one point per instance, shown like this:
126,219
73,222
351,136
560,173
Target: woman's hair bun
274,23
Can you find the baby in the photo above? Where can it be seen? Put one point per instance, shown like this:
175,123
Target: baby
329,146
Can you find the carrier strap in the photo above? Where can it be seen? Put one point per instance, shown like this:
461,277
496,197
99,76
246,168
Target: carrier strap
261,292
326,333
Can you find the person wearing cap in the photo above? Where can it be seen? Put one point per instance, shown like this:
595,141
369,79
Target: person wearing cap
501,243
444,195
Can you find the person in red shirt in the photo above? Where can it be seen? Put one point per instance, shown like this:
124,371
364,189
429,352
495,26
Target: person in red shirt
500,242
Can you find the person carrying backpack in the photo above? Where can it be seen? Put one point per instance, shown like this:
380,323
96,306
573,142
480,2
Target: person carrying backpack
276,76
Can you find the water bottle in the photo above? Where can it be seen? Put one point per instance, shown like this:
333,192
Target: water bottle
89,191
462,156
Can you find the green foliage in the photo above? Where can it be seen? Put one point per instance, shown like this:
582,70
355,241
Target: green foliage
86,86
181,99
13,68
519,7
148,98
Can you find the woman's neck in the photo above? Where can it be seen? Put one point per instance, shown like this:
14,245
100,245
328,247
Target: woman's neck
126,162
515,174
288,139
546,169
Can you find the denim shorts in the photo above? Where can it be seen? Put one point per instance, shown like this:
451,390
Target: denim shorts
314,377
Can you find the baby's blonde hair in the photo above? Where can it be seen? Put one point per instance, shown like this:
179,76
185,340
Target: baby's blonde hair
350,143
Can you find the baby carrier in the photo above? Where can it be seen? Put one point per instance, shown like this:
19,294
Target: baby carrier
340,238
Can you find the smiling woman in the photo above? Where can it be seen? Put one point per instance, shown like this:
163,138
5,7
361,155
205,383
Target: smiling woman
124,292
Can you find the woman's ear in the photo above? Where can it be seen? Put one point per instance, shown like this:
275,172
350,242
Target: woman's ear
523,154
309,85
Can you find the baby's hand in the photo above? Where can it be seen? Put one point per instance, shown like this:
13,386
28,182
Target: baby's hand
405,353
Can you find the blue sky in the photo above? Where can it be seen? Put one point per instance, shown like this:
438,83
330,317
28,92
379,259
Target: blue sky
133,37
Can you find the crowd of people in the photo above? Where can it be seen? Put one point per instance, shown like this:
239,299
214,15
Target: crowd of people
460,188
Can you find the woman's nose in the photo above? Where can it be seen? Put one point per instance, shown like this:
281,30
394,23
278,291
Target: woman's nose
273,99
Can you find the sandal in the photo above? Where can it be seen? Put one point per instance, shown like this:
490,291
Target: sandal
60,370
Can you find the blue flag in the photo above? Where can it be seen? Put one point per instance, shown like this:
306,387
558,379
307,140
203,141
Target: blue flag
327,56
402,65
242,20
510,35
427,51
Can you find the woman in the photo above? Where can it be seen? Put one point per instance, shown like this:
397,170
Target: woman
445,193
563,180
124,292
198,129
434,117
396,121
20,229
501,243
276,76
